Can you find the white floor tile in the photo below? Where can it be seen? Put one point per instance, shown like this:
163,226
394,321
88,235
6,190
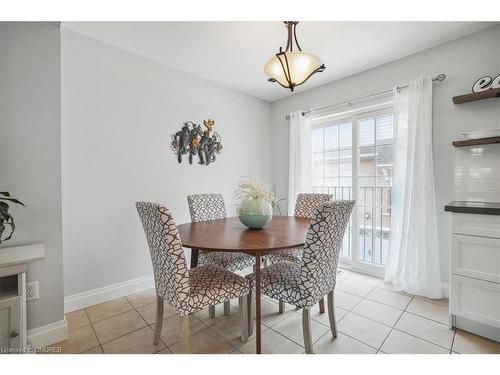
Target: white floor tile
363,329
401,343
370,280
291,328
429,310
272,343
467,343
341,345
379,312
345,300
426,329
323,317
354,287
389,298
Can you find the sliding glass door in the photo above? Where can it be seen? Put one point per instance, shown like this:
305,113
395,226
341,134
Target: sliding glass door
352,158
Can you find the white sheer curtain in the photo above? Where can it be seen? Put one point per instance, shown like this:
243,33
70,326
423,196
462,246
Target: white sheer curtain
299,169
414,255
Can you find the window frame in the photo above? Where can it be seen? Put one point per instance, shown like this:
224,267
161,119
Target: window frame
354,117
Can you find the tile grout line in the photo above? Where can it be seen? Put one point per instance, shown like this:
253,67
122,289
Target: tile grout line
324,325
108,317
410,334
128,333
147,324
95,333
206,326
235,348
424,317
420,338
392,329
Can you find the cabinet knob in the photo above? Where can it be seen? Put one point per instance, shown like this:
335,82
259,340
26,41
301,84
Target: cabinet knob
14,334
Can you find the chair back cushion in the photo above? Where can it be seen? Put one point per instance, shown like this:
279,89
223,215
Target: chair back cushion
322,248
203,207
307,203
169,263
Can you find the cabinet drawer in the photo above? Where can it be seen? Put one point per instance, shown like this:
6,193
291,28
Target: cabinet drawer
477,257
476,225
475,299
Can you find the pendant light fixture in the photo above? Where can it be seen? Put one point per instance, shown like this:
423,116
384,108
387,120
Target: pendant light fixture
291,67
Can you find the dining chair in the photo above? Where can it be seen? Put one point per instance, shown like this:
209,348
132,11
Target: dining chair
186,290
305,282
305,206
203,207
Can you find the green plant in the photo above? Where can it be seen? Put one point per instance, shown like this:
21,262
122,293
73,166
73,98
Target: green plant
5,217
250,189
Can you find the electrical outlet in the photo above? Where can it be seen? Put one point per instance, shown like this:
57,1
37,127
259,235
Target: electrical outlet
32,291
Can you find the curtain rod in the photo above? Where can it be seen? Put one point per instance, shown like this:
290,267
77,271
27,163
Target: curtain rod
440,77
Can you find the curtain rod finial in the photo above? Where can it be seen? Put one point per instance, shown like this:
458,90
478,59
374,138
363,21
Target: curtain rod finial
441,77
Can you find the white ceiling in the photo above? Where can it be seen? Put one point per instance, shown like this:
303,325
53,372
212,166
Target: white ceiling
233,54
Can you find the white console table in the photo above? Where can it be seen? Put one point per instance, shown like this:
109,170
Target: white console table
13,268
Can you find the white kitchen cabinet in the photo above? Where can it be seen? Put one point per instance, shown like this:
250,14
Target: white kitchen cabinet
475,272
477,257
475,299
476,225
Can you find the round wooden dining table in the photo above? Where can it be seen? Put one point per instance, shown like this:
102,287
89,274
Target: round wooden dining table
230,235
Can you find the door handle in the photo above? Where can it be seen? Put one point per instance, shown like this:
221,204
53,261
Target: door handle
14,334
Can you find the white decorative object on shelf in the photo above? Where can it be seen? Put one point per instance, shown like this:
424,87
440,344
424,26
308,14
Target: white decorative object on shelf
486,83
485,133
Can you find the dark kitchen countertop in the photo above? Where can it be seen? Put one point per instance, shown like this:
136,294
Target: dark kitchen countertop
482,208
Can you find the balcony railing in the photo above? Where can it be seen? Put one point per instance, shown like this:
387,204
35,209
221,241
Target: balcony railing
374,221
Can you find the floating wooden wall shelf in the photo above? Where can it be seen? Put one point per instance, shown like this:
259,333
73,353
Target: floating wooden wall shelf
477,142
493,93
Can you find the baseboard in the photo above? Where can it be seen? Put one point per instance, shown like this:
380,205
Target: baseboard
92,297
48,334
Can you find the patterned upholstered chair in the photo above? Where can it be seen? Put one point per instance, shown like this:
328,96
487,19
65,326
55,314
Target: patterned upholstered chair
188,291
203,207
305,282
305,206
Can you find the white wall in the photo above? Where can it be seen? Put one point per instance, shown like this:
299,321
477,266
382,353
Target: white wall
463,61
30,158
118,113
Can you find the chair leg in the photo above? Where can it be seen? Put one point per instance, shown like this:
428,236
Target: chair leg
306,329
282,307
251,312
159,319
184,333
322,306
227,307
242,304
211,312
331,314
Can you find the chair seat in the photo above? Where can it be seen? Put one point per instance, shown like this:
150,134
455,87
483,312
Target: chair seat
210,285
231,261
285,255
281,281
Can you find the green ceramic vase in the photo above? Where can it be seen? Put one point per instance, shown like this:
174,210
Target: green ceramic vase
255,213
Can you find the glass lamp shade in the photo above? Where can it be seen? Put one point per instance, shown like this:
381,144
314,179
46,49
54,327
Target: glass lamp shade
301,66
